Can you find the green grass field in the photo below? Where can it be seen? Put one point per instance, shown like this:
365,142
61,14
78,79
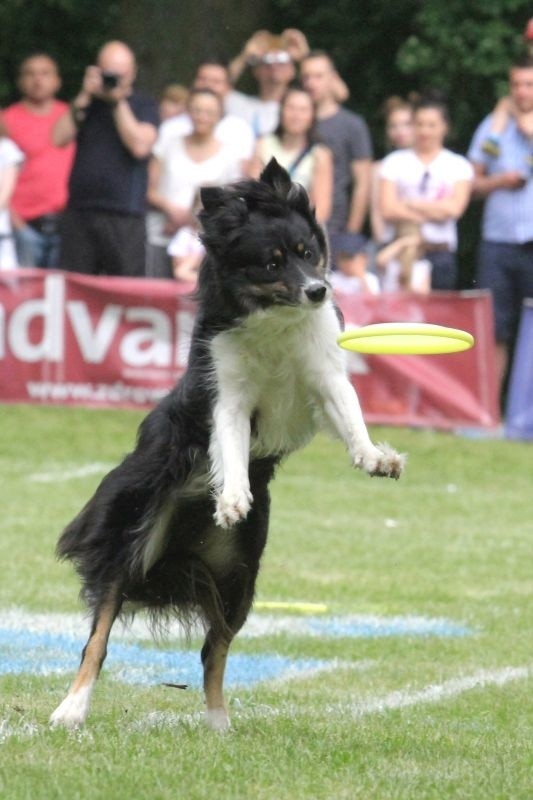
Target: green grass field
398,716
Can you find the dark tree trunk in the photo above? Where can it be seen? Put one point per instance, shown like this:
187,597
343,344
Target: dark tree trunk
169,37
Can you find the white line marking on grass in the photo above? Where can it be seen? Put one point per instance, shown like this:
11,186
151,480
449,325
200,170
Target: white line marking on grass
406,698
256,626
78,624
24,730
70,473
333,665
434,693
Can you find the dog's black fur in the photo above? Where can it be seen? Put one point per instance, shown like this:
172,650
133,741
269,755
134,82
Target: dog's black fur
105,540
147,537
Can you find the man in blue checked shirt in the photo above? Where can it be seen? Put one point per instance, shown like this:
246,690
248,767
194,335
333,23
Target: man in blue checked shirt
504,177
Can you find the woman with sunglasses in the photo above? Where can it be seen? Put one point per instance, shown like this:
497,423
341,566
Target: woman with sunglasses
427,187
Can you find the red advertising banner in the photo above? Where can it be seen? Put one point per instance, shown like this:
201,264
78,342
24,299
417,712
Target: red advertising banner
73,339
440,391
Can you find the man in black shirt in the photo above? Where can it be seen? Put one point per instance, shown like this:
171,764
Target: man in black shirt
115,129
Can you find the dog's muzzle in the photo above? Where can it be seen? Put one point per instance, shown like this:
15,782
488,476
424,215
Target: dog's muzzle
315,292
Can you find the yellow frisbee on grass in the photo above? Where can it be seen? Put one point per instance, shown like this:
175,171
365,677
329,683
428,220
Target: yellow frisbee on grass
279,605
405,338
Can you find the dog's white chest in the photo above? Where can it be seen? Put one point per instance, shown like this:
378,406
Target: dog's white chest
284,414
270,368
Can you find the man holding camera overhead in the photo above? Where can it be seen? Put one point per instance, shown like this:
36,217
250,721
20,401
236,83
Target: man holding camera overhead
272,60
115,128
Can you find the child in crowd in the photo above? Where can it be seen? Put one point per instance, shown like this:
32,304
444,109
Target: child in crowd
351,272
187,253
173,101
185,249
390,264
10,160
398,115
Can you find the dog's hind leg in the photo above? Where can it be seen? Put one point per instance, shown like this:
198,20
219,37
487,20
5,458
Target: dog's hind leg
214,656
235,594
72,712
215,652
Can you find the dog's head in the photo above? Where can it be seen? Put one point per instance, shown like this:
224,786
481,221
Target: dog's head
265,247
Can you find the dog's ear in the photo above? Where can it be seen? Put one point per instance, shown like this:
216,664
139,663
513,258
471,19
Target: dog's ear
278,178
212,197
299,200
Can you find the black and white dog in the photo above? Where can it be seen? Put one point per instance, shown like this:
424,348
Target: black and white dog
180,525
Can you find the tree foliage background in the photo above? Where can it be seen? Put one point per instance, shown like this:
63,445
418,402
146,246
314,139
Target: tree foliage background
381,48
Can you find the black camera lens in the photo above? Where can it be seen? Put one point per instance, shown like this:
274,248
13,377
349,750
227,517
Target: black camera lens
110,80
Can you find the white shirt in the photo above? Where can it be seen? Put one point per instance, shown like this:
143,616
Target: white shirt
271,147
432,181
10,155
185,243
261,115
351,284
231,130
181,177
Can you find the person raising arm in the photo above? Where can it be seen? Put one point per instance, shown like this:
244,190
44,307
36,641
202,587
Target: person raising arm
115,128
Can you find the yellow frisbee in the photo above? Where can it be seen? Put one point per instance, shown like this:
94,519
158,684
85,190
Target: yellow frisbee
279,605
405,338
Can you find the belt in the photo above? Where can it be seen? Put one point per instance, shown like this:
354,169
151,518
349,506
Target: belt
436,247
46,223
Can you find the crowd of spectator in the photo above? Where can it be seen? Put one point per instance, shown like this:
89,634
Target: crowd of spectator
109,183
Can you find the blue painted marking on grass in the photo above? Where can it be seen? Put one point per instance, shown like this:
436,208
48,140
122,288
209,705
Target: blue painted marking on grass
25,652
369,627
44,653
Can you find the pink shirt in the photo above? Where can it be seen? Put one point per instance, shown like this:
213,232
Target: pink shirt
42,186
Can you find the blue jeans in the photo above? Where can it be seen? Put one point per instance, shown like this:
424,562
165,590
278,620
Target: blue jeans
444,270
36,249
507,270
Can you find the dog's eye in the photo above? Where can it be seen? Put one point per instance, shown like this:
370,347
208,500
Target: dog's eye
272,266
308,254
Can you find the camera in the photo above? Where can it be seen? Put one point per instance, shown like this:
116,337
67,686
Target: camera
280,57
276,57
110,80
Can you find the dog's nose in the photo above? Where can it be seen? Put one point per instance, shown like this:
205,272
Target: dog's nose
315,292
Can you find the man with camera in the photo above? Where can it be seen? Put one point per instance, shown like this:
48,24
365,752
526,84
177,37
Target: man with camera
115,129
272,60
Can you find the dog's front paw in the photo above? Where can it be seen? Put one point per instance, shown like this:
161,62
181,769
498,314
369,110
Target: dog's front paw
232,507
382,461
